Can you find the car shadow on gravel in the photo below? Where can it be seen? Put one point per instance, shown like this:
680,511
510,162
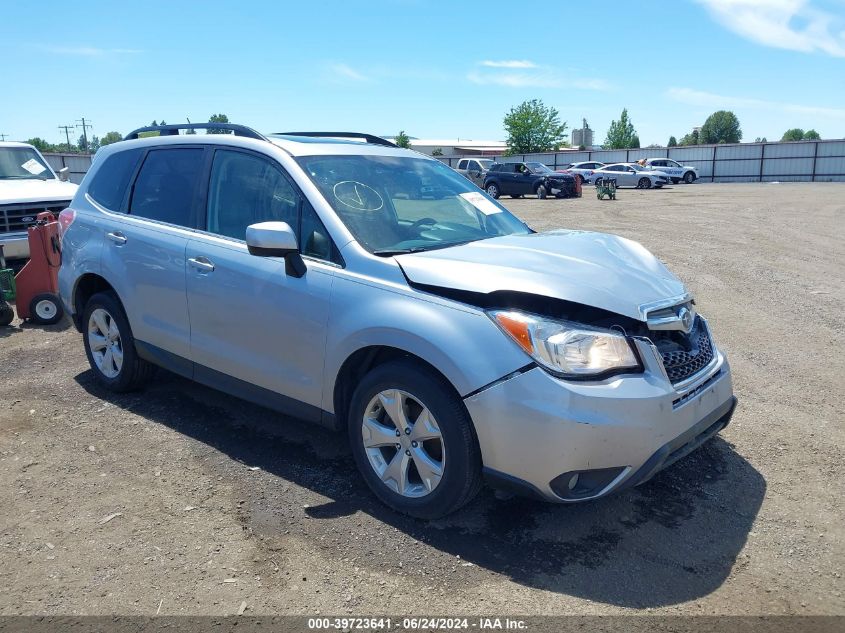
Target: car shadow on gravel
673,539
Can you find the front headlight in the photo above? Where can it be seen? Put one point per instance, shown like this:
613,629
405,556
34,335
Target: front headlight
569,350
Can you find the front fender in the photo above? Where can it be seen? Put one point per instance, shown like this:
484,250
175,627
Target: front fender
459,340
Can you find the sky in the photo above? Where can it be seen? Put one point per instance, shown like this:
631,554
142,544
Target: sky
435,69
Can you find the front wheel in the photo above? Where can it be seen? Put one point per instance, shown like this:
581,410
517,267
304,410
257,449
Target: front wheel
7,314
541,192
413,441
110,346
644,183
492,190
689,177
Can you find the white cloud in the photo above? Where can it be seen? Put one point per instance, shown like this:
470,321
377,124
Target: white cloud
90,51
508,63
531,77
796,25
347,73
710,100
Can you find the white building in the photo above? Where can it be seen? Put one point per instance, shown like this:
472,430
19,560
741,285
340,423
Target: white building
459,147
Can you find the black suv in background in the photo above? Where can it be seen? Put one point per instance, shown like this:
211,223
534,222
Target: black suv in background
518,179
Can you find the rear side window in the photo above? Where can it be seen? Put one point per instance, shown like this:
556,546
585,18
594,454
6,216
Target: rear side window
109,184
167,185
462,164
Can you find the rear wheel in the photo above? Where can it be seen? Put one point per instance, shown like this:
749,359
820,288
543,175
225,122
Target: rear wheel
413,441
492,190
46,309
110,346
644,183
689,177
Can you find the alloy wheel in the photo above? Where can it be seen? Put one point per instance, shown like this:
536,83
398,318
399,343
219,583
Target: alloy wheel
105,343
403,443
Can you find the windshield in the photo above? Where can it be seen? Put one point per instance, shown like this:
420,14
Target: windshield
485,163
539,168
22,163
398,204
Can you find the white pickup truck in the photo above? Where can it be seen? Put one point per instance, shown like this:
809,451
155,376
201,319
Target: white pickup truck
28,186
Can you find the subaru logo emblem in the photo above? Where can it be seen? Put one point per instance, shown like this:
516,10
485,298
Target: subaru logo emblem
686,318
28,219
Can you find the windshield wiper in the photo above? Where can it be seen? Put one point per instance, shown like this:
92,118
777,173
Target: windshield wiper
388,252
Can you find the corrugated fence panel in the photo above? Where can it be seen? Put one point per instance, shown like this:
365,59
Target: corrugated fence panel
727,152
611,156
77,164
787,167
833,148
790,150
737,168
682,154
704,167
830,166
572,157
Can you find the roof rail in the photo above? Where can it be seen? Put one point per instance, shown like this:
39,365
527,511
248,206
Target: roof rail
173,130
369,138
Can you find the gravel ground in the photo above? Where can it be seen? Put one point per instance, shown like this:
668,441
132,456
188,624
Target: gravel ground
182,500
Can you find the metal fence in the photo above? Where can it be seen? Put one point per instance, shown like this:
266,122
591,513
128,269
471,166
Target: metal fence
811,161
77,164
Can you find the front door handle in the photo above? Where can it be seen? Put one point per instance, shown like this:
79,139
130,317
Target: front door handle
202,264
117,237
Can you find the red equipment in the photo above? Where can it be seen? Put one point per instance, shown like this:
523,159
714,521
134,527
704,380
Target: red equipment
38,281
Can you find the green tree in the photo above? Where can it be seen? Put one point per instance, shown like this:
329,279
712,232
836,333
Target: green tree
94,144
621,133
811,135
673,142
437,152
402,139
154,123
693,138
41,145
109,138
534,127
794,134
218,118
721,127
760,140
162,122
635,142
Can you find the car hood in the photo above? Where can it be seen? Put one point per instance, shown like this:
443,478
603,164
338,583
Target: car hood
594,269
52,190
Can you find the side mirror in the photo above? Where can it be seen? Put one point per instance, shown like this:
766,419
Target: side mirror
63,174
275,239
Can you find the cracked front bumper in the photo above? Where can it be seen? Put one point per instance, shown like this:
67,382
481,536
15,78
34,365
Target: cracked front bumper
534,428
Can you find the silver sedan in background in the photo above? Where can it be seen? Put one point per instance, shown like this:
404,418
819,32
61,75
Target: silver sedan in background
631,175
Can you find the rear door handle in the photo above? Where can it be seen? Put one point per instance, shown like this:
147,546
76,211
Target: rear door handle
201,264
117,237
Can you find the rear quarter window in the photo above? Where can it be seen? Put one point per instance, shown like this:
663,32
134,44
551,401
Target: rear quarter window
167,185
108,187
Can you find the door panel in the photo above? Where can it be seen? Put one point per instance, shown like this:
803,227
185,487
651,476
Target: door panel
252,321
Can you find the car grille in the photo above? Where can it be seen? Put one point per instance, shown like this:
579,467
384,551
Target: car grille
15,218
681,364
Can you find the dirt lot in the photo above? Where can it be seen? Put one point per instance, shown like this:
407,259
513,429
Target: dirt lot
214,501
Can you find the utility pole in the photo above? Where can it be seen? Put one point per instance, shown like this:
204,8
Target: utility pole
84,127
2,137
67,129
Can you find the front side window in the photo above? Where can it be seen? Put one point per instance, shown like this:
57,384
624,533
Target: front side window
23,163
245,189
539,168
109,184
394,204
167,185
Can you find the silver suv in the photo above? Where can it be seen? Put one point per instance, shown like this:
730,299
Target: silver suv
373,290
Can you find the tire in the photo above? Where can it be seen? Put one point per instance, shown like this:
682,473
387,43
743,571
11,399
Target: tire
132,372
675,181
516,195
7,314
456,444
689,178
46,309
644,183
541,192
492,190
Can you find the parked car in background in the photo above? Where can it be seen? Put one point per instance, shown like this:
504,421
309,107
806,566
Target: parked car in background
519,179
672,168
28,186
444,338
583,170
631,175
474,168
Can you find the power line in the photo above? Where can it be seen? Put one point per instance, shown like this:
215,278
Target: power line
84,125
67,129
